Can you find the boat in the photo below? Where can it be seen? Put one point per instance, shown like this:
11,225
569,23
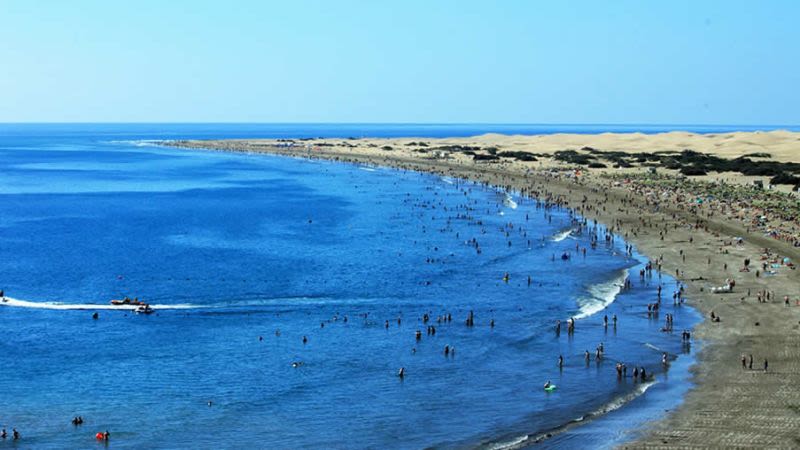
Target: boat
144,309
127,301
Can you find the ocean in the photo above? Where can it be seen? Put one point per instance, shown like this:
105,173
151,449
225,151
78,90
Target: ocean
288,293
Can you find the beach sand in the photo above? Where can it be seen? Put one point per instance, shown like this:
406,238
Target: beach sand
729,406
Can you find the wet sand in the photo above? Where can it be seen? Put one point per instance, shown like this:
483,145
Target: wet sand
730,406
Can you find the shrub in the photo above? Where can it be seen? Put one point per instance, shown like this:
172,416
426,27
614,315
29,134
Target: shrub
518,155
693,171
785,178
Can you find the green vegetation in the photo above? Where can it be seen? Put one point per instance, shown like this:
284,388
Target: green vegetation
688,162
519,155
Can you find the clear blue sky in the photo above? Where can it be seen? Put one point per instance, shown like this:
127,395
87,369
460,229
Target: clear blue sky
676,62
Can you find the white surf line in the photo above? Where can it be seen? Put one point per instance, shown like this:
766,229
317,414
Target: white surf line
562,235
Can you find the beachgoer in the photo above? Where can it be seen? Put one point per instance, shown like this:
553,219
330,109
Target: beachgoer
3,434
15,433
547,384
402,372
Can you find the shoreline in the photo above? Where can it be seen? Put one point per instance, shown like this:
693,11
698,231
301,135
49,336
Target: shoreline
763,413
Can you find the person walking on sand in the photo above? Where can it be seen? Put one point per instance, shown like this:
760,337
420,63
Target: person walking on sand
744,362
766,364
750,362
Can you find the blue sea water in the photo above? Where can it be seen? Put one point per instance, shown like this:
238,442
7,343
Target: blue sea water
243,256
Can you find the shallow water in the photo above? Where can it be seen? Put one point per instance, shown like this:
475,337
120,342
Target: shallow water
235,247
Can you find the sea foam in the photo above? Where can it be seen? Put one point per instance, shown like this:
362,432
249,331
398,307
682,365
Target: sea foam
560,236
600,296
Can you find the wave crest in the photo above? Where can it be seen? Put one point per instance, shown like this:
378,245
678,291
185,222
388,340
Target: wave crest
600,296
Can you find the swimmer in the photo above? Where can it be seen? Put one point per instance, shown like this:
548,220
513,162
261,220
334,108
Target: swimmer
547,384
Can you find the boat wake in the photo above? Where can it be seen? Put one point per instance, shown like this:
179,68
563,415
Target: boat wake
232,304
529,439
600,296
12,302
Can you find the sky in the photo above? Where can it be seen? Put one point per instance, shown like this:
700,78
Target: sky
404,61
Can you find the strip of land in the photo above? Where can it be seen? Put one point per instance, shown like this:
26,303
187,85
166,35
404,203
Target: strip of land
698,204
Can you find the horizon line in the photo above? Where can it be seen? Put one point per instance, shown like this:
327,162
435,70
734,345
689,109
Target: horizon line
619,124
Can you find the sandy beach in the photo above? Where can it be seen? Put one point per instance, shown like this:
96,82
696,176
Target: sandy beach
700,229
